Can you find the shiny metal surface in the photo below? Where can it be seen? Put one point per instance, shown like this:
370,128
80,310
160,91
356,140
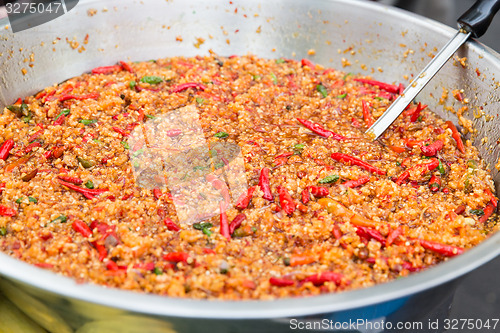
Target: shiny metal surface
417,85
386,43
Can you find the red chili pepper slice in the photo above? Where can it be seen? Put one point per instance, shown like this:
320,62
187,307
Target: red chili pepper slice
244,199
176,257
70,179
444,249
264,184
281,282
35,135
321,278
308,63
435,183
171,225
7,211
370,233
394,89
393,235
157,193
222,187
81,227
305,196
318,129
357,182
88,193
106,69
433,148
456,135
286,201
348,159
488,211
319,191
415,113
367,115
6,148
184,86
32,145
126,66
419,168
66,97
236,222
120,131
493,199
101,250
224,222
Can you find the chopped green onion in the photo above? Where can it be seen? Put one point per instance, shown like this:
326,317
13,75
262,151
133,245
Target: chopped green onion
198,167
151,79
3,231
221,135
298,148
342,96
379,98
19,110
136,164
89,184
419,119
256,77
280,61
125,144
132,84
322,90
199,100
472,164
275,79
158,271
329,179
441,168
85,163
87,121
219,165
478,212
138,152
63,112
206,231
345,76
60,219
19,200
97,141
150,116
31,199
398,163
27,119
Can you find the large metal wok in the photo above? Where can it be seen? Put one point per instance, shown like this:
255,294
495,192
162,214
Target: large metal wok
384,42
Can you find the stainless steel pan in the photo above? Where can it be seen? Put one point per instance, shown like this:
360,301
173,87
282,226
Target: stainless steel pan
384,42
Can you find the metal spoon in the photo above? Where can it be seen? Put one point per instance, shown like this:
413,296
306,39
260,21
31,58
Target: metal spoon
473,22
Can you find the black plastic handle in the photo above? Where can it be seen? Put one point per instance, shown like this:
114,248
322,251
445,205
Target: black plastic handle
478,18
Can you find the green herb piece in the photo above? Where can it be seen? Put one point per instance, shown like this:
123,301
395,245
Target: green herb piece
3,231
398,163
419,119
322,90
221,135
19,110
478,212
98,141
151,79
280,61
85,163
256,77
19,200
275,79
441,168
379,98
132,85
28,118
31,199
87,122
200,100
206,231
297,149
213,152
434,186
64,112
345,76
202,225
158,271
125,144
136,164
286,261
199,167
219,165
138,152
472,164
329,179
342,96
60,219
150,116
89,184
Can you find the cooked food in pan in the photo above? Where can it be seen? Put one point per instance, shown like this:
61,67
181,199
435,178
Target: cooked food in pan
234,178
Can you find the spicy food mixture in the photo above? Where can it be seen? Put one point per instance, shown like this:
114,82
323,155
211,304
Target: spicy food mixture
323,207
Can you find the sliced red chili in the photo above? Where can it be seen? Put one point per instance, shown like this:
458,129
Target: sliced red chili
456,135
286,201
264,184
318,129
392,88
176,257
244,200
236,222
171,225
224,223
488,211
184,86
444,249
70,179
433,148
6,148
281,282
7,211
367,115
351,160
321,278
370,233
106,69
357,182
419,168
81,227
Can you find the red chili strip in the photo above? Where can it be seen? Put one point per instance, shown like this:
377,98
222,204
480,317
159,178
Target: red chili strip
357,182
306,196
367,115
308,63
171,225
319,191
392,88
106,69
236,222
264,184
66,97
2,187
176,257
126,66
318,129
88,193
81,227
184,86
433,148
351,160
70,179
435,183
444,249
416,113
321,278
488,211
7,211
224,222
32,145
120,131
35,135
393,235
101,250
244,199
286,201
157,193
6,148
370,233
456,135
60,120
148,266
493,199
281,282
222,187
419,168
